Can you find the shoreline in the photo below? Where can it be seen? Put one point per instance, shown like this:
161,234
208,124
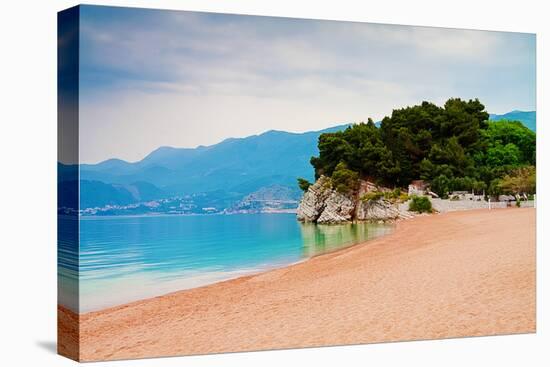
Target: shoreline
153,215
258,271
395,287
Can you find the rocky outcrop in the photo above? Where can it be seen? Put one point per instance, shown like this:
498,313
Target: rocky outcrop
377,210
338,208
313,203
324,205
315,200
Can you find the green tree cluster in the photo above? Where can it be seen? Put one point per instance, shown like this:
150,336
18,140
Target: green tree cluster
454,147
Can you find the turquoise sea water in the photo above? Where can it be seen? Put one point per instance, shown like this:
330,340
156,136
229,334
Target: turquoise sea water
123,259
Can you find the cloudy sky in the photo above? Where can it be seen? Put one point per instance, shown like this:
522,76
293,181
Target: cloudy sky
153,78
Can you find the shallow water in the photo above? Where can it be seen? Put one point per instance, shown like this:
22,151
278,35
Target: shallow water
123,259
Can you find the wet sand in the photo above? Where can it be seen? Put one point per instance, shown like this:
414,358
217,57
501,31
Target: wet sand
457,274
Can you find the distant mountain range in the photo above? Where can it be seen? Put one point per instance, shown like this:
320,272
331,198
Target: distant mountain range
223,173
250,173
528,118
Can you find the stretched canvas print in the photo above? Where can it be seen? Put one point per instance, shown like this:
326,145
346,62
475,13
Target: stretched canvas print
232,183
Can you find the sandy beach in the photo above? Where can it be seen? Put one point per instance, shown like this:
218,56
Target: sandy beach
457,274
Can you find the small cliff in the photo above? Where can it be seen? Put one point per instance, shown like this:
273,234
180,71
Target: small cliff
324,205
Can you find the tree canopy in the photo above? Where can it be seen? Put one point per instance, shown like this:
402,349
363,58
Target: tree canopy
453,147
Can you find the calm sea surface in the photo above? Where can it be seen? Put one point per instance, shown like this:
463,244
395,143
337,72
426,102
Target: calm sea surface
123,259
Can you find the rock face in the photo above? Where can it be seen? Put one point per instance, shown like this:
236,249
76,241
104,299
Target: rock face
321,204
313,204
377,210
338,208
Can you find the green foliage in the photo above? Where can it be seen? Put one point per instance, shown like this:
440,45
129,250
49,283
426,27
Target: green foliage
520,181
396,195
303,184
494,187
420,204
466,184
393,196
479,187
440,185
343,179
327,185
503,155
453,147
372,196
503,133
359,147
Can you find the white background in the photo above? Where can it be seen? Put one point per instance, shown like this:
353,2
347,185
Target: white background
28,182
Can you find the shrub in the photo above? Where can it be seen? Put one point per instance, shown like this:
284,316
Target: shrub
303,184
372,196
343,179
393,195
420,204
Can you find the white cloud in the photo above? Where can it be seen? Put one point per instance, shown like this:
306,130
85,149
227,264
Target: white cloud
185,79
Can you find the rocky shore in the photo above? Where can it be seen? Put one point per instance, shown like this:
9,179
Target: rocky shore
324,205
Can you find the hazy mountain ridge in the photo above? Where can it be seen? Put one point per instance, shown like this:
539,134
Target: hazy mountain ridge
224,176
225,172
528,118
